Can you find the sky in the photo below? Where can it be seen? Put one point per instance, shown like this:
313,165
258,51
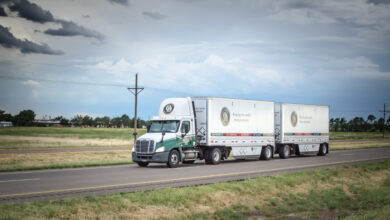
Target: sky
78,57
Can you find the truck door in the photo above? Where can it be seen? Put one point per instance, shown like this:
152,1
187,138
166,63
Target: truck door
188,137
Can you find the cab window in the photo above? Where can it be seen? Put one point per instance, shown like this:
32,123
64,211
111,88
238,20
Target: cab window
185,127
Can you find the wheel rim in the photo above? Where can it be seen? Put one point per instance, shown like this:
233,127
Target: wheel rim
174,158
323,149
267,152
286,150
216,156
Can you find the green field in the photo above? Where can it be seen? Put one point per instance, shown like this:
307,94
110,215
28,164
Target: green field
66,132
54,137
353,192
357,135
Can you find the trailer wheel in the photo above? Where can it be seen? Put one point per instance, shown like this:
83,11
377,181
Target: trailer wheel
323,150
143,164
173,159
213,156
284,152
266,153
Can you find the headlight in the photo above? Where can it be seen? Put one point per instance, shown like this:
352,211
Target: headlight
160,149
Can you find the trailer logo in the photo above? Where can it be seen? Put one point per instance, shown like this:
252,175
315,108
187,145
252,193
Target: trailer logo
294,119
168,108
225,116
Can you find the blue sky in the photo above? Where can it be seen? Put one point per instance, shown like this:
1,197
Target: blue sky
334,53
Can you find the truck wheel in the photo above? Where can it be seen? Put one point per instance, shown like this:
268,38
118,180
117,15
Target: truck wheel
173,159
266,153
142,164
323,150
214,156
284,152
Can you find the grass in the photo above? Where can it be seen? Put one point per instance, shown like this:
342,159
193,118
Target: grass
349,145
35,161
353,192
66,132
54,137
357,135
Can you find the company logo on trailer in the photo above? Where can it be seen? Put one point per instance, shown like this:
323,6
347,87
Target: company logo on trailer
225,116
294,118
168,108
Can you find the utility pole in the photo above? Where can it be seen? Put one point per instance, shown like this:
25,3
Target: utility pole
136,90
384,119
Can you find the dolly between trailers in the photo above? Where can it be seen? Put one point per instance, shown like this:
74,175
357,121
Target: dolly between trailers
197,128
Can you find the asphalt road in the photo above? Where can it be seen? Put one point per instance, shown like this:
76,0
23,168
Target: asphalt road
64,183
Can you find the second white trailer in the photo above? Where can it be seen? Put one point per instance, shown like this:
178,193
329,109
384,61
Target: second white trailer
301,129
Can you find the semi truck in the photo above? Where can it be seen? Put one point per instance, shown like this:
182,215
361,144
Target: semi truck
213,129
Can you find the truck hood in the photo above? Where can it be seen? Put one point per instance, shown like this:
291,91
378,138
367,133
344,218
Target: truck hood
157,136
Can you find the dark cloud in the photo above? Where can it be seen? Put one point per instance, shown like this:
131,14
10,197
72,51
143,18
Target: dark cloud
154,15
31,11
298,4
70,28
2,12
8,40
379,1
121,2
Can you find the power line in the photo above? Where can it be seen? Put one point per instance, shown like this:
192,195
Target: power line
61,81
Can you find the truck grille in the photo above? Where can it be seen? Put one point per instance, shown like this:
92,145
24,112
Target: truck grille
144,146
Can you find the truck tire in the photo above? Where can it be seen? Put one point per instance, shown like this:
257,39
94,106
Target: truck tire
213,156
173,159
266,153
284,151
143,164
323,150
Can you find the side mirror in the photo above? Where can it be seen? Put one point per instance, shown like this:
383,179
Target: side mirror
148,128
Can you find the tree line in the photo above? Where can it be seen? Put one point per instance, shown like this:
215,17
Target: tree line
27,118
359,124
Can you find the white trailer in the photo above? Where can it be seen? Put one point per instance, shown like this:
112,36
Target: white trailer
301,129
243,127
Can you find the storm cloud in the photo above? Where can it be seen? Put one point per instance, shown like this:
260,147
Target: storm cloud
2,12
8,40
35,13
31,11
70,28
121,2
154,15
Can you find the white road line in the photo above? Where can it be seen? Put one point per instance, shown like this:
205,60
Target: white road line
20,180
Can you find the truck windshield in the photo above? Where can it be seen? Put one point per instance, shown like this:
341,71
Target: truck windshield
167,126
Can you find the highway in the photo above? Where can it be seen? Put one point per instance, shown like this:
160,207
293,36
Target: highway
64,183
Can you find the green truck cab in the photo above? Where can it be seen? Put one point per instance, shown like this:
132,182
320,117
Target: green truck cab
171,136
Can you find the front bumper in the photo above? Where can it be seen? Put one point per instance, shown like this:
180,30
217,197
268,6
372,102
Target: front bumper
161,157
